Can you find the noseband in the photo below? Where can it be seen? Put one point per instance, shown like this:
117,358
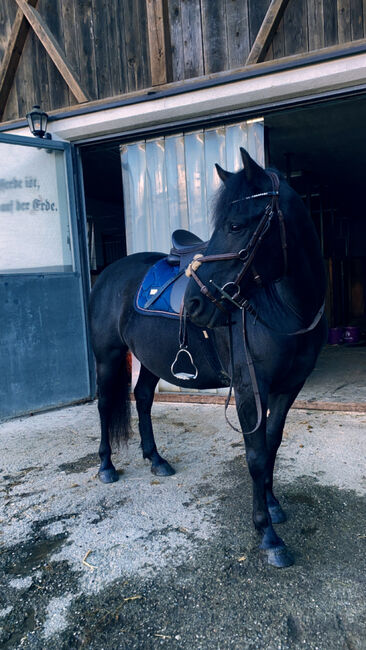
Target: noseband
245,255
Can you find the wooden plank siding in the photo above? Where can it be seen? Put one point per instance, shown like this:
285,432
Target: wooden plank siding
216,43
356,20
315,15
191,23
330,26
176,38
157,32
295,28
108,45
237,30
344,20
8,12
85,45
58,88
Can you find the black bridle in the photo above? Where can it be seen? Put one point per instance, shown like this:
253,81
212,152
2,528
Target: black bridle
245,255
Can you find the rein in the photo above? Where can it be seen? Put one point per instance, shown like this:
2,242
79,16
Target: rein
248,308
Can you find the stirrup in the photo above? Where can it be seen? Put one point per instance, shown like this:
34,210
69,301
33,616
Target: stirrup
184,375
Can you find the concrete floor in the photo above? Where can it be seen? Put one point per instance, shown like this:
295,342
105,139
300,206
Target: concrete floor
339,376
173,563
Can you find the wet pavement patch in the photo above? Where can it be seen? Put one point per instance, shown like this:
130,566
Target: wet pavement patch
31,556
31,577
33,553
80,465
23,625
13,480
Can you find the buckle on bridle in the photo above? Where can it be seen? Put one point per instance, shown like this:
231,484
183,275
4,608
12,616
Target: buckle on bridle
243,256
226,295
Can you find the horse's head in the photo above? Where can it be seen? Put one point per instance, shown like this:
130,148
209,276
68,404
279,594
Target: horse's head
247,247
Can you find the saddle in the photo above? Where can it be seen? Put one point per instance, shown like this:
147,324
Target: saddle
162,289
161,293
185,245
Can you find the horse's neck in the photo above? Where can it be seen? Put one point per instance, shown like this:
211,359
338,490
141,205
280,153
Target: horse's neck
303,287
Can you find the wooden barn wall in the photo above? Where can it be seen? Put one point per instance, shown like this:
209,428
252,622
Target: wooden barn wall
106,41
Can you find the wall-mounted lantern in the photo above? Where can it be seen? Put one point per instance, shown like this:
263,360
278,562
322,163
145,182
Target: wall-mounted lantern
37,122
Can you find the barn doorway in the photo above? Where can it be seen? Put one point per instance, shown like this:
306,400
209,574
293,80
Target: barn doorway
101,164
321,149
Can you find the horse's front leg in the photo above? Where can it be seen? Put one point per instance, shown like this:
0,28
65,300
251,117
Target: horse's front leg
278,406
260,468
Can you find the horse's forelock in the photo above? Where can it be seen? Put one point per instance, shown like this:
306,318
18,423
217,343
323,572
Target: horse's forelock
235,188
228,197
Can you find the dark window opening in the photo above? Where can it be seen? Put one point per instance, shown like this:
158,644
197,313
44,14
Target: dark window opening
321,150
104,205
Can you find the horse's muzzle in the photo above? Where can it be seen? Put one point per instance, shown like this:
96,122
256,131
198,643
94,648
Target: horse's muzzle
201,311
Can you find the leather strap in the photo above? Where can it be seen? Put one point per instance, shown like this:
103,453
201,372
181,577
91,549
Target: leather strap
253,379
161,290
206,292
304,330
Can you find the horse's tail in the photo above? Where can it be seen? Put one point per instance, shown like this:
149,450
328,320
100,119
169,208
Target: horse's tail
116,403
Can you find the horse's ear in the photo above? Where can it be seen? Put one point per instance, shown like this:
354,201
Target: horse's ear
224,175
251,168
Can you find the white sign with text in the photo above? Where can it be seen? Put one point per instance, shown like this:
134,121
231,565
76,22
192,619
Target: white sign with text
34,211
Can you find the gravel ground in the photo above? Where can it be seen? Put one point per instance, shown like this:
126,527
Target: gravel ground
173,563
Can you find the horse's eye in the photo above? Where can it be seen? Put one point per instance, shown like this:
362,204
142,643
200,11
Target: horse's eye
236,227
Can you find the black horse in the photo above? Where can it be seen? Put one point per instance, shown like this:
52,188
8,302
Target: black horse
255,298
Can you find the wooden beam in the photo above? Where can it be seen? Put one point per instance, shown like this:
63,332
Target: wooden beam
53,49
155,10
268,28
12,56
204,398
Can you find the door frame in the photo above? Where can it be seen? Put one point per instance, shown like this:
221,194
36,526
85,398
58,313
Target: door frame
77,225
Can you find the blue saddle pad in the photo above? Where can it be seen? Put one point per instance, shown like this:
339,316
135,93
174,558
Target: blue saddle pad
157,276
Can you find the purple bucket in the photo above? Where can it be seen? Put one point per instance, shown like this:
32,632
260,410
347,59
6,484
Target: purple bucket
351,334
335,335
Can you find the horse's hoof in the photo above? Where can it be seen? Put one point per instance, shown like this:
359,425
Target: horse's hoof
278,516
279,557
108,475
163,469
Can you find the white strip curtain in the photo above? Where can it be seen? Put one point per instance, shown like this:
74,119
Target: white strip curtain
170,182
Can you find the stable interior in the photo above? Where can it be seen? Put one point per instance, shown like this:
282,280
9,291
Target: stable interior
321,150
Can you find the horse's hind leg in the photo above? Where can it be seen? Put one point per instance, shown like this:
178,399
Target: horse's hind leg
113,406
144,395
279,405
